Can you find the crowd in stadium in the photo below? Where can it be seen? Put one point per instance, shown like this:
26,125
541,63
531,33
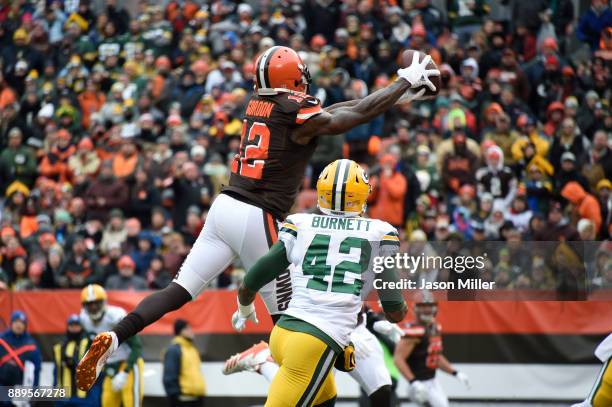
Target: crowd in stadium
118,129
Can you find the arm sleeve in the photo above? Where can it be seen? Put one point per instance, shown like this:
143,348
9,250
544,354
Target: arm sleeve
267,267
172,368
135,352
391,300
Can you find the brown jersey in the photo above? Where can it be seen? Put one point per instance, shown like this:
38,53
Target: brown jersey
423,360
270,167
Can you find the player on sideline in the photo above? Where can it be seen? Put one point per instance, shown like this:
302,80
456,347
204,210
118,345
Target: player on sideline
279,135
601,394
331,254
123,382
418,355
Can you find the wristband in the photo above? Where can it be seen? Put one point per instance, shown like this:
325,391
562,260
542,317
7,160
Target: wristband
245,310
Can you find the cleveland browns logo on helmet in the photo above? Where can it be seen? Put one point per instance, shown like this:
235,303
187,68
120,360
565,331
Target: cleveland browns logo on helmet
281,68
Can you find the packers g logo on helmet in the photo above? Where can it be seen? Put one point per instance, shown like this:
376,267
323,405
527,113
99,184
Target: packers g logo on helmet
343,189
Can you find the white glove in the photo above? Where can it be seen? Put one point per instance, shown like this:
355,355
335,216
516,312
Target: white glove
392,331
119,381
417,73
20,403
462,377
418,392
245,313
409,96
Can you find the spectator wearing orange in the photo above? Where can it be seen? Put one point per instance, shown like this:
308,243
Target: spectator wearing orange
91,101
584,204
7,95
387,197
54,164
554,115
126,162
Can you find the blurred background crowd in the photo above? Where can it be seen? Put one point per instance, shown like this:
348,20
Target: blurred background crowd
118,120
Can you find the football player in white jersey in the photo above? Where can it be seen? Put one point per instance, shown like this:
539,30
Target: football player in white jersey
123,385
331,254
601,393
370,370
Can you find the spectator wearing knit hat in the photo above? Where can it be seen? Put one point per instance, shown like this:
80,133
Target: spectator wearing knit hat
126,279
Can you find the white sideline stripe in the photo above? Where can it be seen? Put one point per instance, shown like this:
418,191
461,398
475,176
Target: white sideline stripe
489,381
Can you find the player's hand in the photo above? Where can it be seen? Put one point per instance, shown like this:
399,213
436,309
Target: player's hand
119,381
242,315
409,96
418,392
417,73
462,377
392,331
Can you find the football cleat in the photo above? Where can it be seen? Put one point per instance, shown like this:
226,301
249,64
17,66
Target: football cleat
90,367
250,360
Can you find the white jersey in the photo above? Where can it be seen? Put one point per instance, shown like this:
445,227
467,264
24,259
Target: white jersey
332,257
112,316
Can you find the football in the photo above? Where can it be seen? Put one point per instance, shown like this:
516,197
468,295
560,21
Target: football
406,60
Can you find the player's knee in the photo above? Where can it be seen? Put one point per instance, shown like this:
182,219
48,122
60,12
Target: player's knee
381,397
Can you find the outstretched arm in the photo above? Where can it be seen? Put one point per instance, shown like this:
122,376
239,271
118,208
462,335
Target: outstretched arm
340,118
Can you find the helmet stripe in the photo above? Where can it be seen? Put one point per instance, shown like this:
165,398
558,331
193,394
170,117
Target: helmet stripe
90,293
262,68
339,184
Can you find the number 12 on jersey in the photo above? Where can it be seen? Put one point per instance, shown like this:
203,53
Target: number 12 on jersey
254,144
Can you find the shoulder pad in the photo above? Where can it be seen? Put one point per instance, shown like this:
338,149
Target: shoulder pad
115,313
412,329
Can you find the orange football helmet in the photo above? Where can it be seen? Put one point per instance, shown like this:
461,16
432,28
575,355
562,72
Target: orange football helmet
281,68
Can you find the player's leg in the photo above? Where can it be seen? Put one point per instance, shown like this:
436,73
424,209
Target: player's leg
261,234
110,397
208,257
437,397
304,377
133,392
370,371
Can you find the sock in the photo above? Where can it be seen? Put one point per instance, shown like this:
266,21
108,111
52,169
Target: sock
151,309
128,327
268,370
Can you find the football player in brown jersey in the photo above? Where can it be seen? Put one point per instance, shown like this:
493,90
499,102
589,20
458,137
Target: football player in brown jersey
418,355
279,135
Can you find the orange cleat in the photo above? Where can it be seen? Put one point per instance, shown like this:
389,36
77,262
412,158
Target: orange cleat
90,367
249,360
